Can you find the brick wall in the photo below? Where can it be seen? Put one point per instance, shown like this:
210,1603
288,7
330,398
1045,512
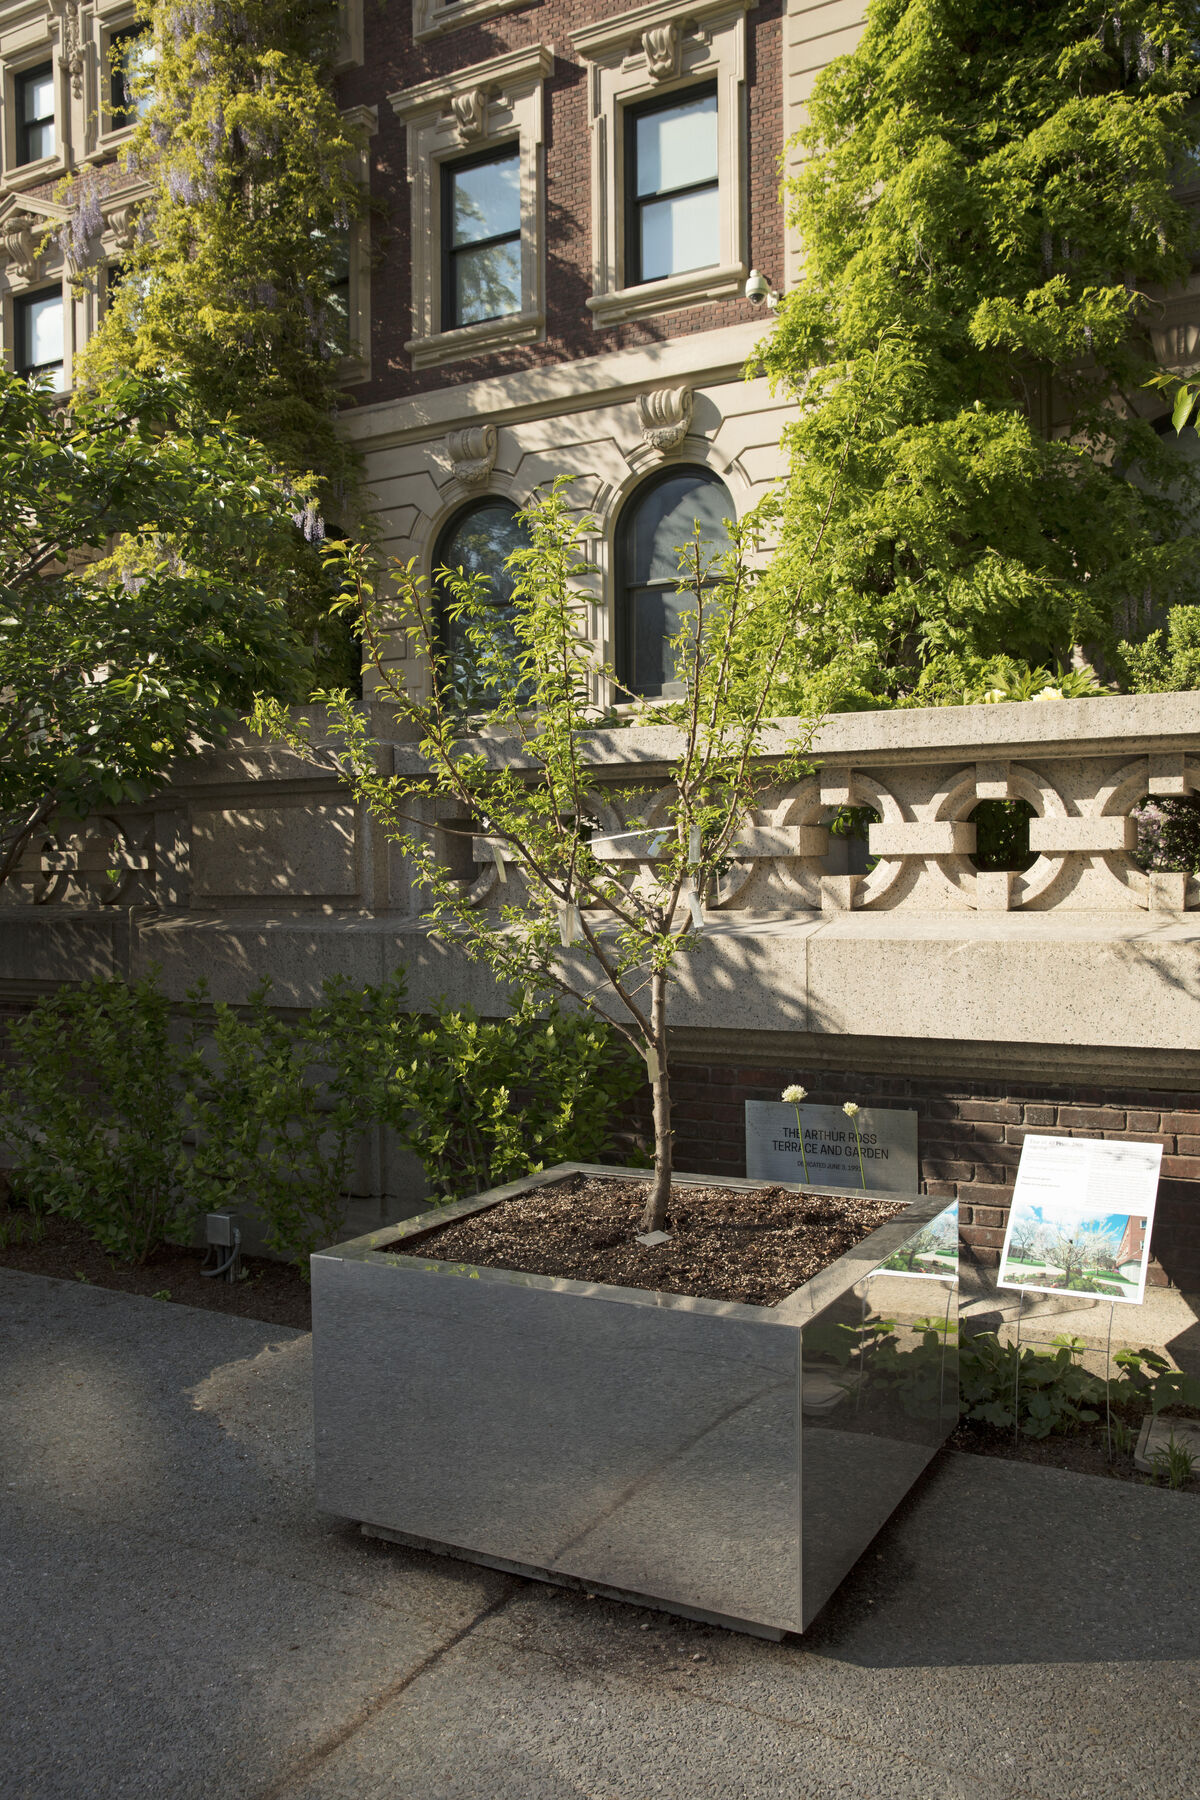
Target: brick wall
969,1138
393,61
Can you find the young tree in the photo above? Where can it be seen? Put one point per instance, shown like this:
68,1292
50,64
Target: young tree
144,560
602,921
991,194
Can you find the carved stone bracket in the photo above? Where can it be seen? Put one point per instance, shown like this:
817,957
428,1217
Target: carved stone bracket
71,54
123,225
661,45
21,245
1178,343
470,111
665,415
472,453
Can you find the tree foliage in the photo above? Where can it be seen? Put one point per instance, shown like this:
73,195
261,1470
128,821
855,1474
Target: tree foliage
236,278
989,197
144,562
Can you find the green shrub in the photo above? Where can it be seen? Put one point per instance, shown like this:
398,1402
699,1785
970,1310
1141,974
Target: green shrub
92,1110
486,1101
116,1125
278,1104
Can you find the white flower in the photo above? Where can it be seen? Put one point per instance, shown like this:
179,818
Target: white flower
994,696
851,1111
795,1094
1050,693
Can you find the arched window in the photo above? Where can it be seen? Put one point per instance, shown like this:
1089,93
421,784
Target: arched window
476,540
660,517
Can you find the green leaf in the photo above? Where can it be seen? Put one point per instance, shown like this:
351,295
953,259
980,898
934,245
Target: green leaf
1185,404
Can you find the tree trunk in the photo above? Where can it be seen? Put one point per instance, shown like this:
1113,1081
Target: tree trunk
659,1192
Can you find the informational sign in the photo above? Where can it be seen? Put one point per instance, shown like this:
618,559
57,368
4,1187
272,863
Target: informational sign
877,1148
931,1254
1080,1218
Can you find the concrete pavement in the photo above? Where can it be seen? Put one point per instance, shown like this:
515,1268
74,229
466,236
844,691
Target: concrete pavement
176,1620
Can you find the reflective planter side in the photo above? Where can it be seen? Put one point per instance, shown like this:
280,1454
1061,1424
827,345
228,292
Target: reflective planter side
726,1461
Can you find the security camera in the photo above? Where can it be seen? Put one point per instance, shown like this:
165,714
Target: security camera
759,290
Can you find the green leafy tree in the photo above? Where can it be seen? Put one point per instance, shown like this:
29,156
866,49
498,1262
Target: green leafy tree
525,769
237,279
144,561
989,194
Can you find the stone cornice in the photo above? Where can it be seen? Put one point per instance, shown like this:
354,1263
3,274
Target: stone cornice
596,41
701,358
517,66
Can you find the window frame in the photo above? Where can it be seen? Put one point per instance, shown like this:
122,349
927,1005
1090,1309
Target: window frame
119,116
663,50
450,526
23,78
623,584
487,106
22,304
447,170
633,202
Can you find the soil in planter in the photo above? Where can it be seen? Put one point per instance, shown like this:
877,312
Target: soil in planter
274,1292
753,1246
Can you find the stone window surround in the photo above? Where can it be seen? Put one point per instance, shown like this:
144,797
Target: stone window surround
83,301
478,108
356,366
432,18
17,62
40,278
350,36
107,24
654,51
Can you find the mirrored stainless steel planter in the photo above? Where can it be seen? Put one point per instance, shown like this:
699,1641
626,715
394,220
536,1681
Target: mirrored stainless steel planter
729,1462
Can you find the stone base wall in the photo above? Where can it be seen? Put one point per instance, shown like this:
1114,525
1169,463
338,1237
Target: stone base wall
970,1133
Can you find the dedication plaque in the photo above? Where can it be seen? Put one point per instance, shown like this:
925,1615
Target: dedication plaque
829,1152
1080,1218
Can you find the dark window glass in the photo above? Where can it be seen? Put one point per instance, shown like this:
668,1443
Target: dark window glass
34,95
339,293
481,238
659,519
129,54
477,540
38,319
672,210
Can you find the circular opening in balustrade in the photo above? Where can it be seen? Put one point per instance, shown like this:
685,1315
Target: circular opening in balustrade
1002,835
848,849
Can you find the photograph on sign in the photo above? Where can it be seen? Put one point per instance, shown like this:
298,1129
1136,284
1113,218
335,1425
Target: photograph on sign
870,1147
931,1254
1080,1218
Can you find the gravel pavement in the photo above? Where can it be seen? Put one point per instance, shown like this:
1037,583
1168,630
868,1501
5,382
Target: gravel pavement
177,1621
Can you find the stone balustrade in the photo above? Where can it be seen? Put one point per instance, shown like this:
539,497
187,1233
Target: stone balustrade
253,860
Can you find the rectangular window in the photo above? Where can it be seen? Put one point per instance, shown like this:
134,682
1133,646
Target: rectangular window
38,319
337,316
481,237
130,53
33,92
672,193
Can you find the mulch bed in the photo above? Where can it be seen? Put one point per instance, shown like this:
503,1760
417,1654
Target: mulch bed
1084,1452
752,1246
274,1292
